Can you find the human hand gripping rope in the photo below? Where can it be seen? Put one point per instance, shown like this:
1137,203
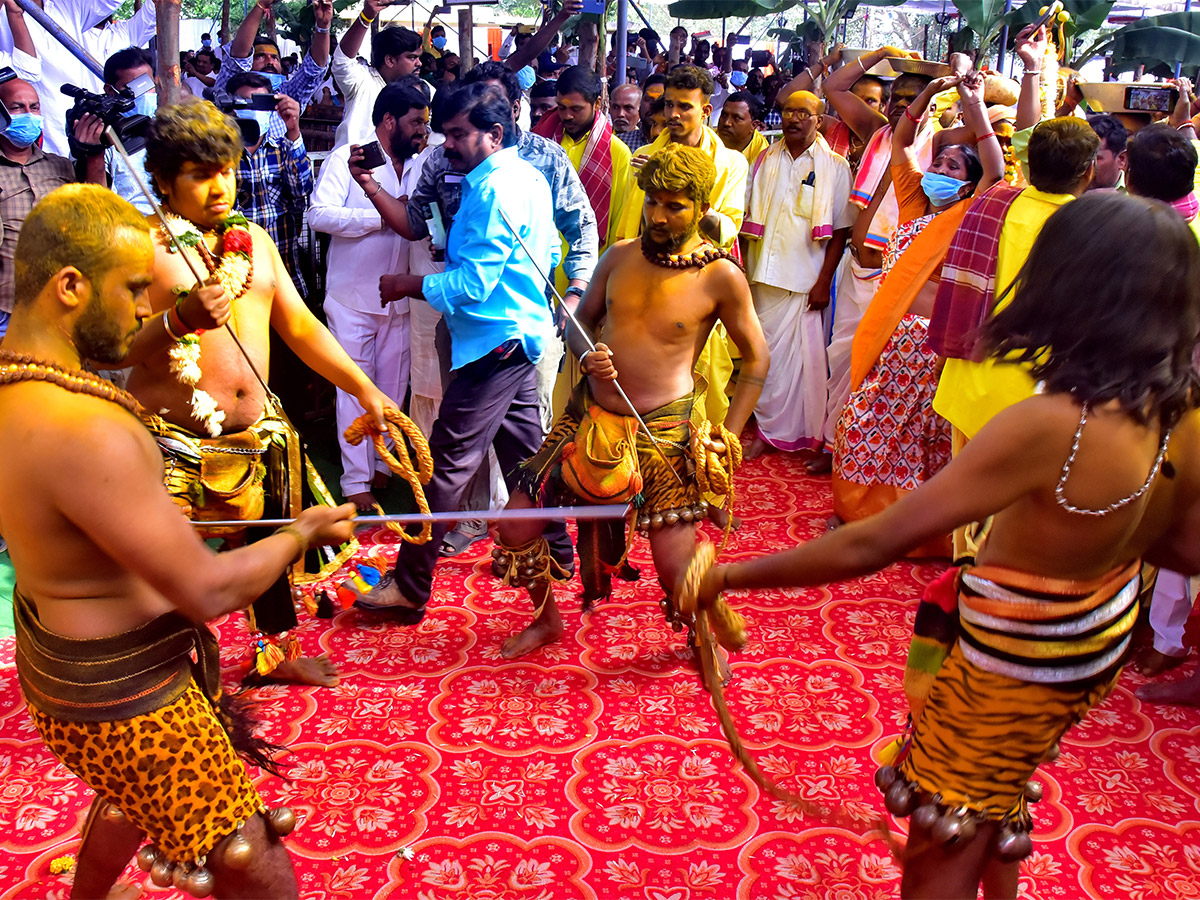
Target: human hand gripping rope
400,426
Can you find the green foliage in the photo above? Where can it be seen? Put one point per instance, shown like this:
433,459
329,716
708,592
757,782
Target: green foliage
294,19
1156,41
737,9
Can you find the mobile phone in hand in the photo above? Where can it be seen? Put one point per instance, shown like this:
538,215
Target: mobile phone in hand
373,156
263,101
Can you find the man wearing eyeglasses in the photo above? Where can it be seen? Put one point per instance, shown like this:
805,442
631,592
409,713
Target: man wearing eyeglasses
797,222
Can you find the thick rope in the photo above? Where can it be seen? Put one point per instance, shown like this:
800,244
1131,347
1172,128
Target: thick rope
714,471
718,623
400,426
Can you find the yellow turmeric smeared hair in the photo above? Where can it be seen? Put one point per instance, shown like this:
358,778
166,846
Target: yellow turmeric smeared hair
685,170
190,132
76,225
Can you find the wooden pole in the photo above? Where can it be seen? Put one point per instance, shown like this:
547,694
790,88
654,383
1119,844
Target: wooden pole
224,35
466,41
167,76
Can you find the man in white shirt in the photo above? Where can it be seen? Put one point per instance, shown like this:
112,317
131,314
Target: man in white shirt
797,222
362,250
79,19
395,52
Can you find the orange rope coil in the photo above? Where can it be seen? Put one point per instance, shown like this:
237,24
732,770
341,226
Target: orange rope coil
400,426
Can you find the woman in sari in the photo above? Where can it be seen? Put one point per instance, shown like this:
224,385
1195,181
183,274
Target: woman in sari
889,440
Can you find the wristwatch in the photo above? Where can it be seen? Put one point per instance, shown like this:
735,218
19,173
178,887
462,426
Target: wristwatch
577,291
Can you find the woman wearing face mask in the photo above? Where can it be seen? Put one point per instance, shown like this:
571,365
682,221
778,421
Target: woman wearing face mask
889,440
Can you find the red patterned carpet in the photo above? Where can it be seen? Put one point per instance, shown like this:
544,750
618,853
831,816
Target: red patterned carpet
595,768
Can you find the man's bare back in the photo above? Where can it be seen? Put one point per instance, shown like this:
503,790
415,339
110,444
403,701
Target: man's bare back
227,376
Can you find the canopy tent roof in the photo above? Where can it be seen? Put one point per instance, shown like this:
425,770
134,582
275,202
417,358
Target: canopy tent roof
1124,9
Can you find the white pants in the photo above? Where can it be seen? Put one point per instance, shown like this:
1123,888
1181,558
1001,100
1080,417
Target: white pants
378,343
1169,610
791,408
856,289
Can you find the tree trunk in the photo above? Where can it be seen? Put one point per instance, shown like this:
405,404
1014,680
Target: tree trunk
225,35
167,75
589,43
466,41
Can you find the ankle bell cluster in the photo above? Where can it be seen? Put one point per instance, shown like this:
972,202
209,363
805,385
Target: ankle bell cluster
955,826
194,878
672,516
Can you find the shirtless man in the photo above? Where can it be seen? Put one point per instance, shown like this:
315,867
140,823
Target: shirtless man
112,581
652,302
192,153
1009,654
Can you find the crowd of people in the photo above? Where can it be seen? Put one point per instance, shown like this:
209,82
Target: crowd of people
587,295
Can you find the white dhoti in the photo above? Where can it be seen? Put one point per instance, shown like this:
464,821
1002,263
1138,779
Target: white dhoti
856,289
791,409
1169,610
378,342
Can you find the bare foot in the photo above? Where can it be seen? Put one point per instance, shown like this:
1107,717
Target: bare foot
364,501
758,447
821,464
720,517
541,632
1153,663
833,522
318,670
1176,693
124,891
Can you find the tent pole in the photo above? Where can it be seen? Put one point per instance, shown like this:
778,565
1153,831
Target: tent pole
622,48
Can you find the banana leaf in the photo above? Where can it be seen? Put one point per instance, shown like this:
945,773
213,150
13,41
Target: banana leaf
734,9
982,17
1086,15
1154,46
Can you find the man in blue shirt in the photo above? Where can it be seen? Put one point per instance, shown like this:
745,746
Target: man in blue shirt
493,301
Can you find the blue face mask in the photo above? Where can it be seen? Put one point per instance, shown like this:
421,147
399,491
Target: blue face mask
738,79
145,105
439,42
526,77
276,80
261,116
206,44
942,190
24,129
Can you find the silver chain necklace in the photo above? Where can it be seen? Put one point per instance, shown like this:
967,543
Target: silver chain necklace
1060,489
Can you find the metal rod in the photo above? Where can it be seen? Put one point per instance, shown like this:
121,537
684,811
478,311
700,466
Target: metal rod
562,304
36,13
622,40
577,513
179,248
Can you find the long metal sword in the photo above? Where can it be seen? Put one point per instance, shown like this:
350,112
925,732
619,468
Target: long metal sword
562,304
578,513
179,248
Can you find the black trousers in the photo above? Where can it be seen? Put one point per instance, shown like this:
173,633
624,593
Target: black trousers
491,402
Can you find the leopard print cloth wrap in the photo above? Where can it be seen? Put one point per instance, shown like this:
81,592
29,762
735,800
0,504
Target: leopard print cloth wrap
173,772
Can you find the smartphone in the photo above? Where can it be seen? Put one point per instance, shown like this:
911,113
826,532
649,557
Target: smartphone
263,101
373,156
1150,99
593,7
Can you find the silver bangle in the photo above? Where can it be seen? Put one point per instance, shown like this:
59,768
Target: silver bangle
862,65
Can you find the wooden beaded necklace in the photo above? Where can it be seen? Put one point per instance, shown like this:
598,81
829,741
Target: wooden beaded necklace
18,367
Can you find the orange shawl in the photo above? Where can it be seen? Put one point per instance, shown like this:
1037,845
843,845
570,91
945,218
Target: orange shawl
899,287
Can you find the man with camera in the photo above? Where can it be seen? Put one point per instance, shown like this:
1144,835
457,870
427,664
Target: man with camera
250,52
362,251
132,69
275,177
27,173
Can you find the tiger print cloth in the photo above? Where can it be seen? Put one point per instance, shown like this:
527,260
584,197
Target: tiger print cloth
172,771
1028,656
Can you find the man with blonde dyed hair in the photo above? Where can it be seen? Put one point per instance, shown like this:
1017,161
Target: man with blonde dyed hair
651,305
114,584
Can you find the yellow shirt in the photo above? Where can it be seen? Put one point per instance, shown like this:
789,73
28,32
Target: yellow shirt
970,393
728,197
622,177
755,148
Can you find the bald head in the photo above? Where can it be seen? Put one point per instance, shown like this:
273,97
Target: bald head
801,114
623,107
19,96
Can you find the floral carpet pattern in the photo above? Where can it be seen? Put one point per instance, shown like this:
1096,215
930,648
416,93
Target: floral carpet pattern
594,769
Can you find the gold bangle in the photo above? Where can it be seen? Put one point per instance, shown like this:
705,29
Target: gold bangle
301,541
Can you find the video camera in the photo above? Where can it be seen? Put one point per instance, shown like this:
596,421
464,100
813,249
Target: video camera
114,110
250,127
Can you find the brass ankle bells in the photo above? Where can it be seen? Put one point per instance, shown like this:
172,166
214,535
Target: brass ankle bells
696,513
954,826
194,878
